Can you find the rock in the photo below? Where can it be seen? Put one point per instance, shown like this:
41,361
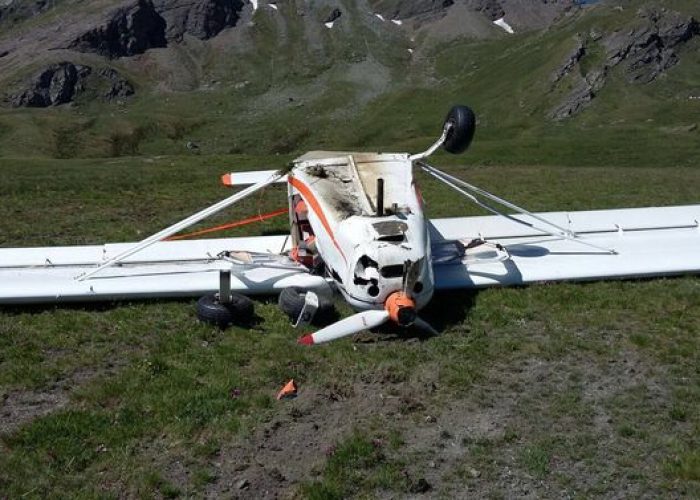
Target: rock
645,52
571,61
395,9
490,8
19,11
649,50
580,97
523,14
333,16
420,486
61,83
127,31
54,85
202,19
118,86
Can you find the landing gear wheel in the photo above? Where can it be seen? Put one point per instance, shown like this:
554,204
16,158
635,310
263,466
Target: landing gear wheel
462,131
292,300
239,311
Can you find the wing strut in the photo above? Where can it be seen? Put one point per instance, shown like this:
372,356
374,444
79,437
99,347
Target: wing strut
183,224
459,185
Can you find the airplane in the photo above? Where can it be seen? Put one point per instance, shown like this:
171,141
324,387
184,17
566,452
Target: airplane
358,227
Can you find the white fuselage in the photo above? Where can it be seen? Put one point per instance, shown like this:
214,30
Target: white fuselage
369,255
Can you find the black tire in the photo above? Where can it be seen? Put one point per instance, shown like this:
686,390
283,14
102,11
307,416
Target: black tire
292,300
239,311
462,132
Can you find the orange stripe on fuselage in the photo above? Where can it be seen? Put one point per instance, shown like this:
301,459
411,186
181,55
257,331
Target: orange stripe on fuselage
316,207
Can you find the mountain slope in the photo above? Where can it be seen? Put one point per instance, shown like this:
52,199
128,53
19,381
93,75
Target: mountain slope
604,83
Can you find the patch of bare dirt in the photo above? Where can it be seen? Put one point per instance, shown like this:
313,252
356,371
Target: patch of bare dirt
295,444
446,438
22,406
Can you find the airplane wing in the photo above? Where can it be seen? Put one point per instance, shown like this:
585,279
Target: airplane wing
166,269
474,252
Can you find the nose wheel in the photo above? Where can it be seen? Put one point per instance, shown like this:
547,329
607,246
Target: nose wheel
305,307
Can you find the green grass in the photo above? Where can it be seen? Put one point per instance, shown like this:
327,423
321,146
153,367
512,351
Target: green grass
551,390
144,385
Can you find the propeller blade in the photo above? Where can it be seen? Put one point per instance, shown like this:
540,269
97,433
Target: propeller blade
348,326
425,326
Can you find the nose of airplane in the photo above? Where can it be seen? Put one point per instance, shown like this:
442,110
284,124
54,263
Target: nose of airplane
401,308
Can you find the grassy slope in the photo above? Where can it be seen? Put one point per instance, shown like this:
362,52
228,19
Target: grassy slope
593,388
248,108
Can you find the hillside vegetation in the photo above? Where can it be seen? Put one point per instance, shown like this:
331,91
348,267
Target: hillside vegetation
281,82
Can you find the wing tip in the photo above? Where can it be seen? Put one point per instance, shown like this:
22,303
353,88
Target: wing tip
227,179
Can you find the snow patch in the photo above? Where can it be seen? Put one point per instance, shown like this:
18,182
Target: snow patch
501,23
273,6
329,25
380,17
255,4
397,22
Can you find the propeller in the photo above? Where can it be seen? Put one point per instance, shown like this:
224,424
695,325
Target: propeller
348,326
399,308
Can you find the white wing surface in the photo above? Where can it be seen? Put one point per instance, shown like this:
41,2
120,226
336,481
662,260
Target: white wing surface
659,241
167,269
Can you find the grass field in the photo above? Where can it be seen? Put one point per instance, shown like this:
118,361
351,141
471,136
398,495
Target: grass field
552,390
556,390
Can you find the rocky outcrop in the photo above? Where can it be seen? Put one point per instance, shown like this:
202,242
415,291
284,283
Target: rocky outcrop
650,49
128,31
61,83
524,14
146,24
571,61
581,96
117,87
490,8
402,9
644,52
202,19
15,11
57,84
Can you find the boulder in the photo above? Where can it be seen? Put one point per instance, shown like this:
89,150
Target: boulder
56,84
333,16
